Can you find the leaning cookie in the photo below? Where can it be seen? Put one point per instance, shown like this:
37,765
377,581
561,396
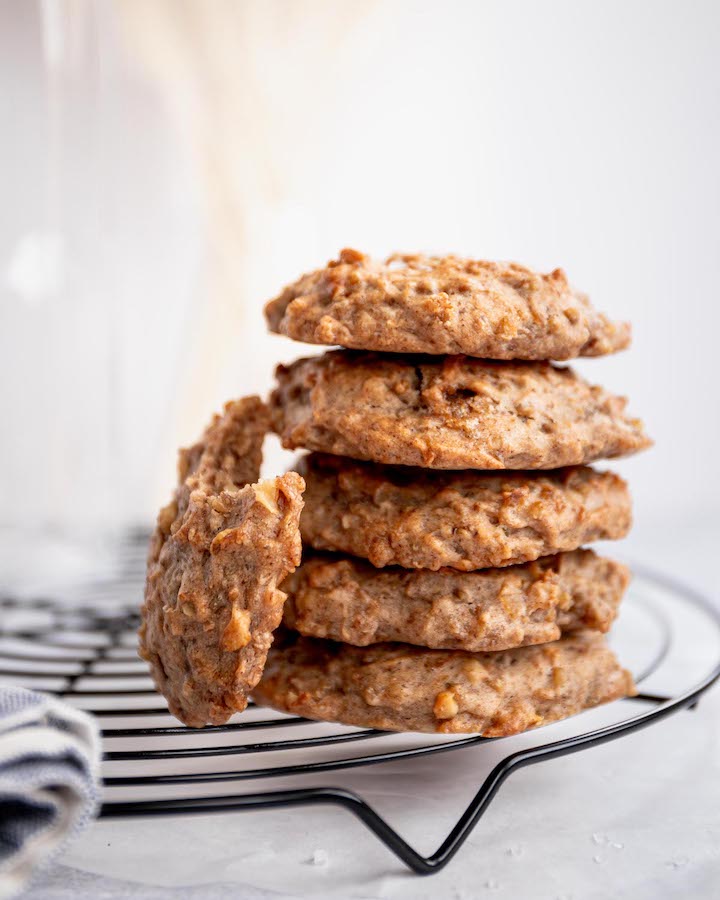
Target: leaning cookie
346,599
220,549
443,305
425,519
449,413
396,687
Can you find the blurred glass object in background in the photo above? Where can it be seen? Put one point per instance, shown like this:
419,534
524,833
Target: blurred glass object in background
94,182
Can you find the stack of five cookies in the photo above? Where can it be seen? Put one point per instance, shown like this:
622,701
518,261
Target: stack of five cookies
444,586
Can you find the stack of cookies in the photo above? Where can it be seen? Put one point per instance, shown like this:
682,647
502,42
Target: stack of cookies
444,586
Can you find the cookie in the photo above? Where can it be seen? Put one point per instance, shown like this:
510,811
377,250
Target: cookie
424,519
396,687
449,412
443,305
347,599
219,551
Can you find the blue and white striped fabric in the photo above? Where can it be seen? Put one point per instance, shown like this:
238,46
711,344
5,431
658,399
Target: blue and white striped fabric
49,781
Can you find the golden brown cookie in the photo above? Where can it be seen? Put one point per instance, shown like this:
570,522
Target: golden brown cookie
424,519
397,687
449,412
219,551
442,305
346,599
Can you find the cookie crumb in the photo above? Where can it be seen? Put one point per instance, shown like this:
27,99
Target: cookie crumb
319,858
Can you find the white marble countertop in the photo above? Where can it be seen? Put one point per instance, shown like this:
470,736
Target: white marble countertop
637,818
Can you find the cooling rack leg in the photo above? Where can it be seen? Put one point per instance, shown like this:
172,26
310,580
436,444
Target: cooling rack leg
393,841
479,804
302,797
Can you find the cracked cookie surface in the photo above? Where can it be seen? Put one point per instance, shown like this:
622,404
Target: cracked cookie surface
396,687
346,599
449,413
220,548
443,305
424,519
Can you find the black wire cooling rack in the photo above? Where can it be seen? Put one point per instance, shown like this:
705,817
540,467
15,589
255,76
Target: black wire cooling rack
81,646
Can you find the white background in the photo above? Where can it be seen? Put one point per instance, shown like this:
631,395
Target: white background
575,134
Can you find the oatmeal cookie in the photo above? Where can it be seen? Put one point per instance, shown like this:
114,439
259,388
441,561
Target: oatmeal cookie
443,305
397,687
219,551
425,519
346,599
449,413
